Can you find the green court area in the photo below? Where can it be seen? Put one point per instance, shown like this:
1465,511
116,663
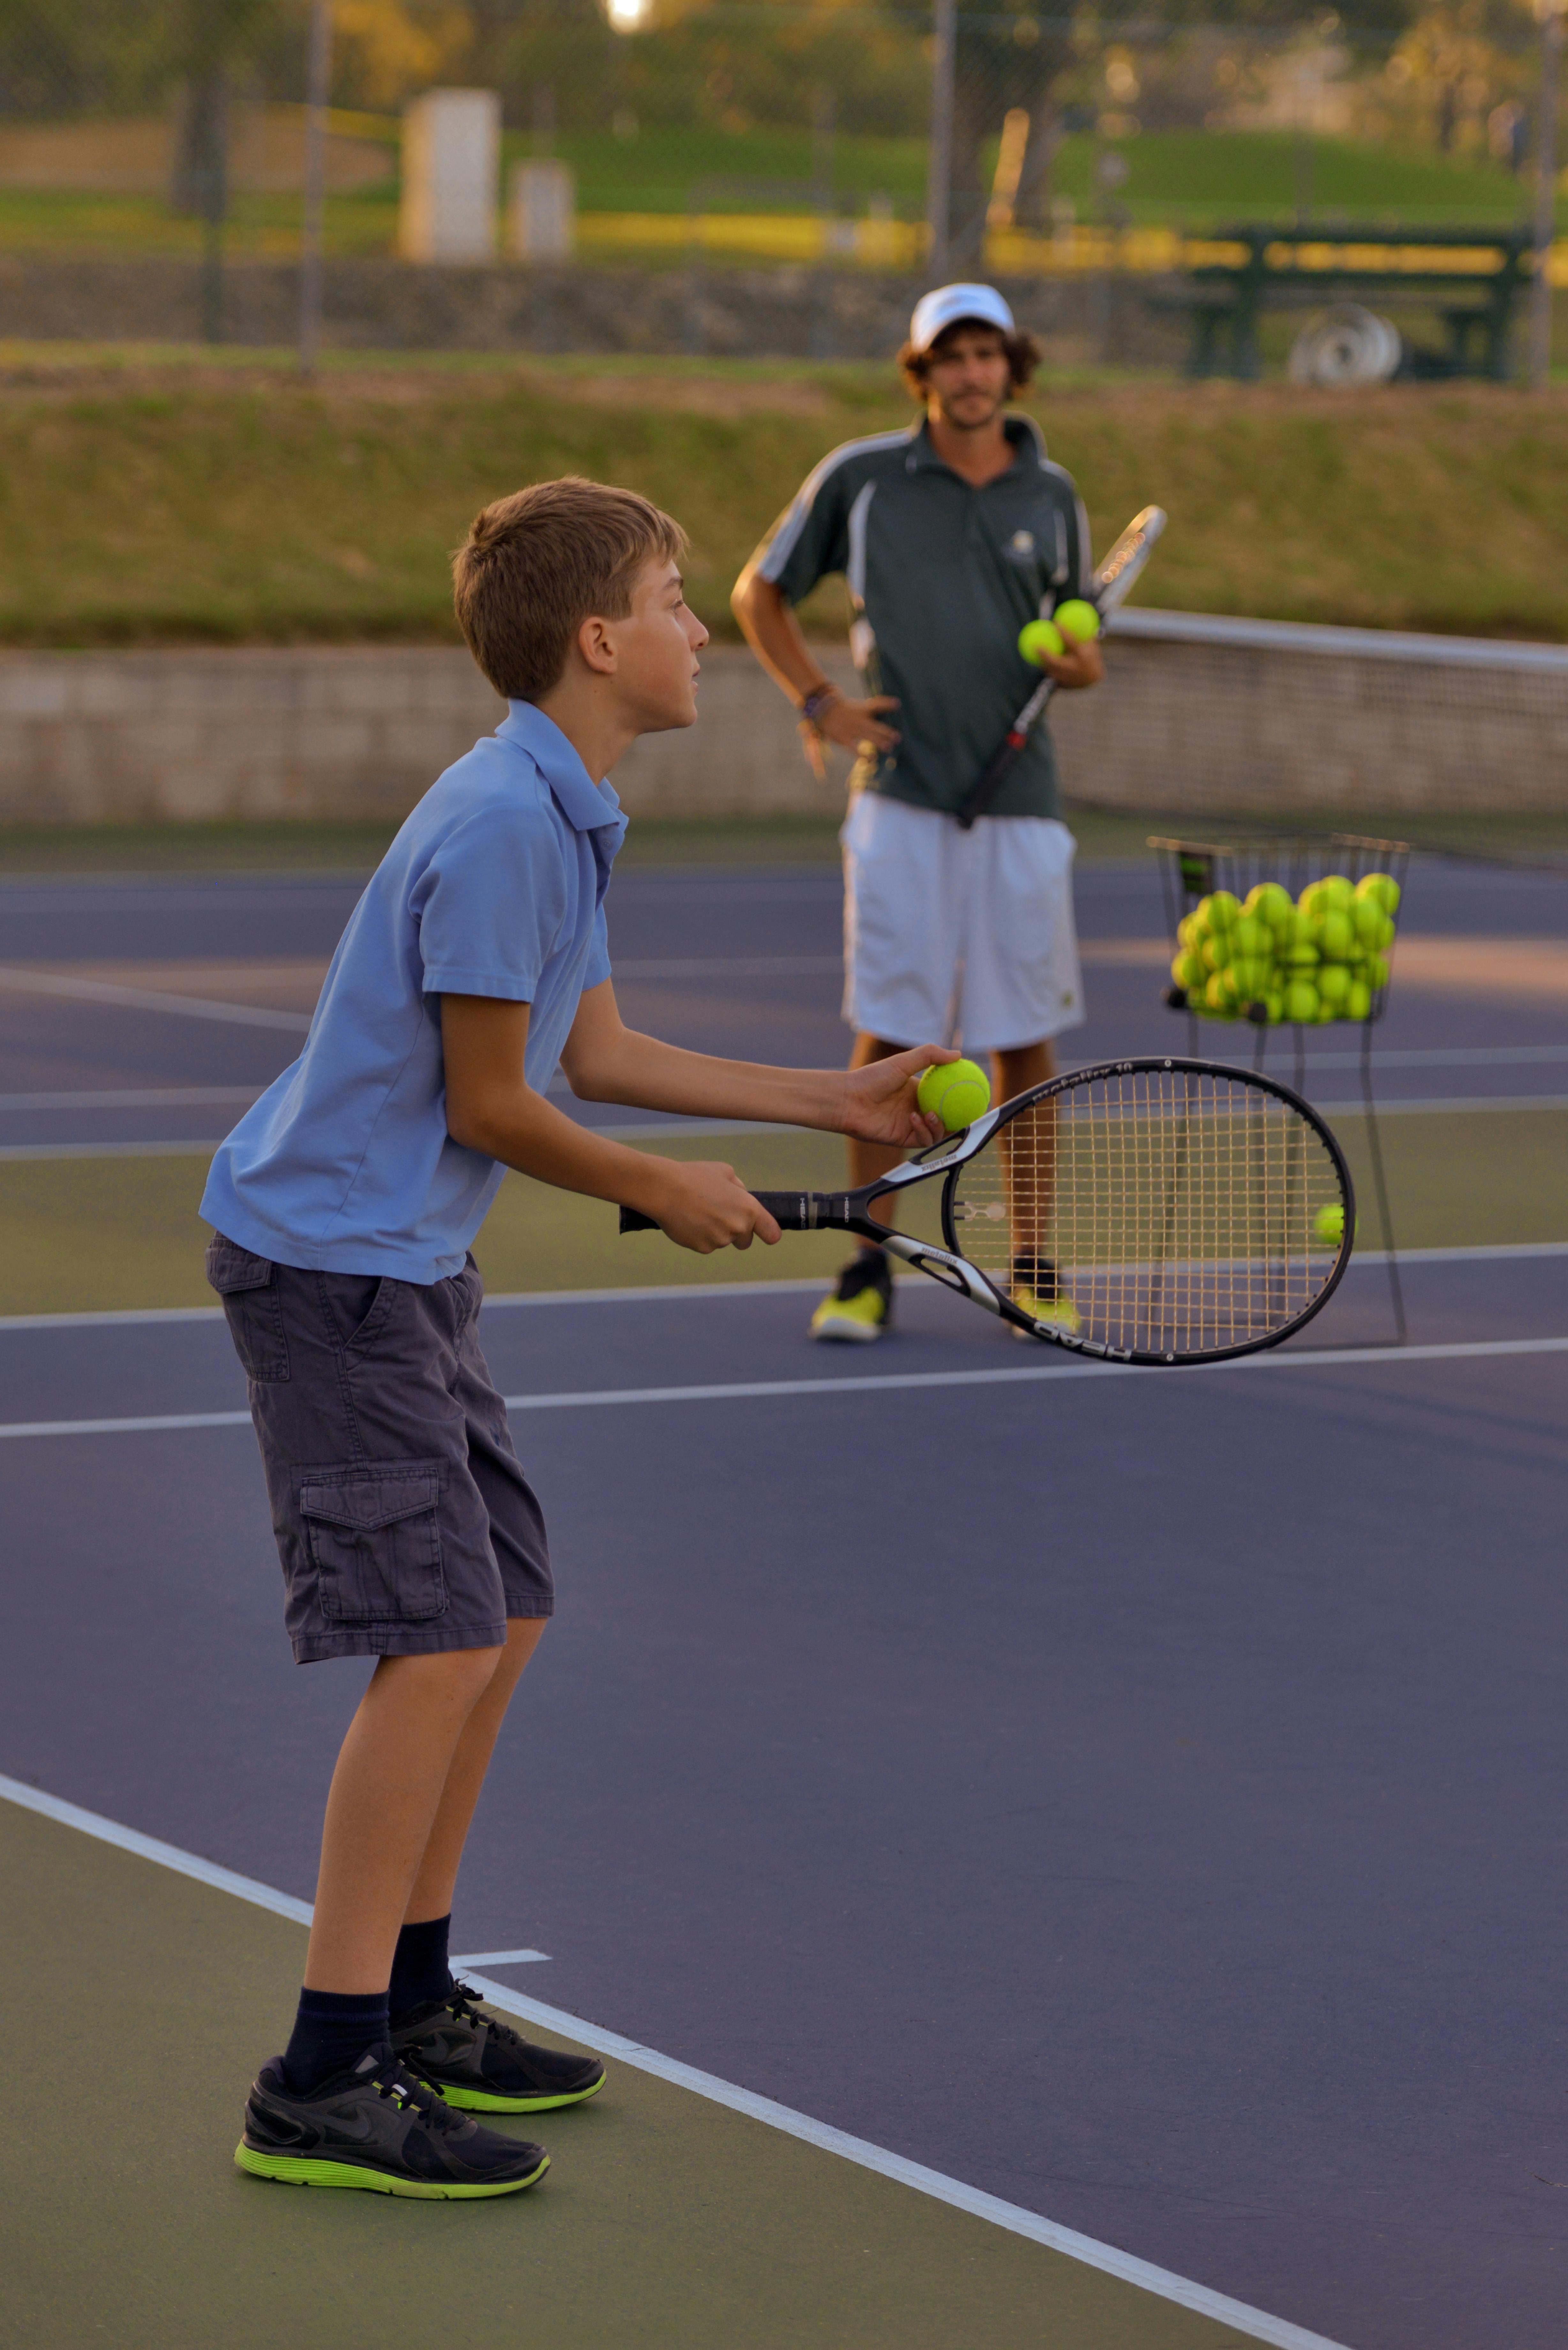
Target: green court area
88,1234
665,2222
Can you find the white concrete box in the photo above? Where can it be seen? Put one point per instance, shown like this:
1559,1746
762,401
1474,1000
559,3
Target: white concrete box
541,218
451,165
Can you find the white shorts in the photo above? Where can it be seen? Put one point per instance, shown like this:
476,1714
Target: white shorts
954,937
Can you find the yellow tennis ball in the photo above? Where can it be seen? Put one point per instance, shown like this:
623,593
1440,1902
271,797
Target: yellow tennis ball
1328,1224
958,1093
1079,618
1038,639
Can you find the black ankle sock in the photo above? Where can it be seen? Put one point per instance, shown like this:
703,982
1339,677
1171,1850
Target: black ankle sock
420,1969
330,2031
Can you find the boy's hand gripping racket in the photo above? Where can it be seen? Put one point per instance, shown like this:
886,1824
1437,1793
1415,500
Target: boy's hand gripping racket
1109,588
1148,1212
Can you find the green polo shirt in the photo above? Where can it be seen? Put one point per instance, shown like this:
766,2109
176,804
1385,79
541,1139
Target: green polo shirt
942,576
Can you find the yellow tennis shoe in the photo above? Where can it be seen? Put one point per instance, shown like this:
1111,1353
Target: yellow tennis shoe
1037,1292
859,1306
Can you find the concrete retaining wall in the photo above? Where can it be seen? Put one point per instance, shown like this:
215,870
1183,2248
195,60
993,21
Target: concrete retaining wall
1198,714
380,303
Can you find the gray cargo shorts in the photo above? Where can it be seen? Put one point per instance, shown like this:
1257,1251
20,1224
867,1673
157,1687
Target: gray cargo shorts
404,1521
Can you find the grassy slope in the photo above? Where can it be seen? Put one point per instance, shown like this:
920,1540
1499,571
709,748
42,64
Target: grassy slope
89,1235
1196,177
167,502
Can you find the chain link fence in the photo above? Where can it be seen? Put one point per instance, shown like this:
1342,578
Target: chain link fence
763,176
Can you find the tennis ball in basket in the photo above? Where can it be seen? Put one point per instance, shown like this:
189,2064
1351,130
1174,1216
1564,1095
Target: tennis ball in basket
957,1093
1336,936
1376,972
1079,618
1374,928
1328,1224
1334,891
1300,1001
1223,911
1381,888
1274,1005
1038,639
1252,937
1270,904
1358,1002
1334,983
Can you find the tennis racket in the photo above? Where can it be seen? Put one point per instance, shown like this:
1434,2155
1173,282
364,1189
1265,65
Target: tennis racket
1148,1212
1109,588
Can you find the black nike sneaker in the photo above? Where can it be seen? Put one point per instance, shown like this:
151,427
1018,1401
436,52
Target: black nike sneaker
473,2060
375,2126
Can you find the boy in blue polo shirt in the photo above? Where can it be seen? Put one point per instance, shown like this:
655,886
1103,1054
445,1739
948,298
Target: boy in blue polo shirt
344,1204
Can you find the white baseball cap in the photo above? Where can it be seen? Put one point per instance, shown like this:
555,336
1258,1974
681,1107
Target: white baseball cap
935,313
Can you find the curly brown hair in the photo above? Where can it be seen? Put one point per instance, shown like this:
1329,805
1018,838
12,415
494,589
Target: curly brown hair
1023,355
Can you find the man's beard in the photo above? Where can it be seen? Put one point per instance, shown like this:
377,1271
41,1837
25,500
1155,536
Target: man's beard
974,423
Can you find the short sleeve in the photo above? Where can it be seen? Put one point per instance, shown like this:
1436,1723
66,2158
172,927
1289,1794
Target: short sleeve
597,969
490,905
810,538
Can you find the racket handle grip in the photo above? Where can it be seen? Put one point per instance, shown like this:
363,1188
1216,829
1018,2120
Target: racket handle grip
792,1212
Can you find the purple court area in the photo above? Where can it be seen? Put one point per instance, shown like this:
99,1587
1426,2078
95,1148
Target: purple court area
1139,1796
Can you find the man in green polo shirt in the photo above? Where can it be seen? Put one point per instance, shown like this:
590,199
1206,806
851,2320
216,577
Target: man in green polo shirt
949,538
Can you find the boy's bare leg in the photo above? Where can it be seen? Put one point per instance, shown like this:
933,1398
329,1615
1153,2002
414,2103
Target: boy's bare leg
386,1792
432,1890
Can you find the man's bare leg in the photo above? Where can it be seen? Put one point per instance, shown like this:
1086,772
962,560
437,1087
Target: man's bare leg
1028,1146
869,1159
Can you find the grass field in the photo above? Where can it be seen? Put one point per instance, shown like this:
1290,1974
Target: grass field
150,498
81,1235
1193,178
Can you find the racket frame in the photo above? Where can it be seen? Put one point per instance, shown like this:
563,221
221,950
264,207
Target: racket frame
850,1211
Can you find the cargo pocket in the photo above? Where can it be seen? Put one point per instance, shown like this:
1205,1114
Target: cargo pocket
247,1285
375,1539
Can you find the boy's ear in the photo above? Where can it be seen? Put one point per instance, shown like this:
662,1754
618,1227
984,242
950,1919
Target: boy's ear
596,643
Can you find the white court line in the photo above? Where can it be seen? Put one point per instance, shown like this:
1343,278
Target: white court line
752,1390
148,999
1109,2258
185,1149
699,1292
138,1097
670,1129
1452,1102
502,1959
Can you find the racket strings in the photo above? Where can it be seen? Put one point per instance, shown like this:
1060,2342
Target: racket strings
1154,1211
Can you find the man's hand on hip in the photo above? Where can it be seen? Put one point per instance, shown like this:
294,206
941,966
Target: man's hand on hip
851,723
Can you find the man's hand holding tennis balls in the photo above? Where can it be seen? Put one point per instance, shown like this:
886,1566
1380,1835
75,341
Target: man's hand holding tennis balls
1064,646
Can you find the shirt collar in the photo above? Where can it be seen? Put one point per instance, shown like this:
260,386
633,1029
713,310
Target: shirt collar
1028,441
587,806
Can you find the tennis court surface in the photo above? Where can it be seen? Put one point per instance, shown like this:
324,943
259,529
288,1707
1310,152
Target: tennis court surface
1075,1854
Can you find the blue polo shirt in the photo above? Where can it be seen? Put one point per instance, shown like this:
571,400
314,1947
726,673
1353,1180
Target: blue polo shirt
496,887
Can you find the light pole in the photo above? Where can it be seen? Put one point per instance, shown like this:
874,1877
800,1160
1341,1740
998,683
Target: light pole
319,85
939,183
1550,15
